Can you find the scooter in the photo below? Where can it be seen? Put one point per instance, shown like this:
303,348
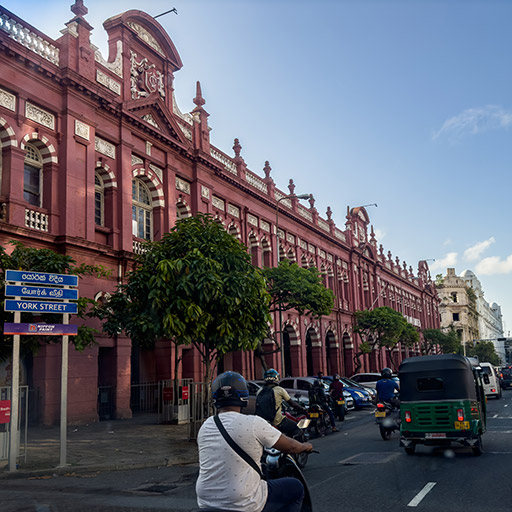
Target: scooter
302,436
279,465
387,417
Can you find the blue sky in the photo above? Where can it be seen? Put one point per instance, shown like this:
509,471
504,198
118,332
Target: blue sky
403,103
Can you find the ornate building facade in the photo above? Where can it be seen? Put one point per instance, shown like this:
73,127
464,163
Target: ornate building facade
464,307
97,157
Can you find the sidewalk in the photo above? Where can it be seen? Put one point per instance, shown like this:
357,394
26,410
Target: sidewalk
138,442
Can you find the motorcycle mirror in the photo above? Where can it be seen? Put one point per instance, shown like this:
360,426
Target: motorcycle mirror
304,423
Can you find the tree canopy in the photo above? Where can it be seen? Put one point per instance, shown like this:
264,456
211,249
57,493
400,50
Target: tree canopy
448,342
195,286
302,289
485,352
43,260
382,327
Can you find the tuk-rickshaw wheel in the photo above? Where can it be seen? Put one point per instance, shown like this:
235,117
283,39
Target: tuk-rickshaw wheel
477,449
410,449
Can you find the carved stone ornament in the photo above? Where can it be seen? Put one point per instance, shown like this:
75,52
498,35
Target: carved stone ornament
146,37
252,220
108,82
117,65
136,160
234,211
157,171
82,130
205,192
265,226
39,115
182,185
151,120
7,100
144,78
104,147
218,203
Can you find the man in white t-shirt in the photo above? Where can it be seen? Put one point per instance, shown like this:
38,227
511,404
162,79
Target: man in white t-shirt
225,480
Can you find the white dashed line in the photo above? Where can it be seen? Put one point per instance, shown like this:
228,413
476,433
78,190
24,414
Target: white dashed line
417,499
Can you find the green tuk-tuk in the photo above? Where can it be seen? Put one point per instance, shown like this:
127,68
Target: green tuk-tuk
442,401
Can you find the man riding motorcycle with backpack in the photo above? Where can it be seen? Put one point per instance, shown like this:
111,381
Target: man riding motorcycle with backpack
269,404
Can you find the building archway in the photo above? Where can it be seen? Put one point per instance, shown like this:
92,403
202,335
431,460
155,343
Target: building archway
331,364
289,338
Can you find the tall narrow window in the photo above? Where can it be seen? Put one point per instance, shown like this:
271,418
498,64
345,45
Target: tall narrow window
32,176
99,200
141,210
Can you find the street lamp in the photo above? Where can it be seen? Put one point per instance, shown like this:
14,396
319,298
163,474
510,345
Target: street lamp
289,196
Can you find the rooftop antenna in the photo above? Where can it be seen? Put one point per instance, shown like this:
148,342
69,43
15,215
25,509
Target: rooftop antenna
174,10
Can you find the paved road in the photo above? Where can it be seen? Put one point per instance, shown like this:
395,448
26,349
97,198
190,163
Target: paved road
356,471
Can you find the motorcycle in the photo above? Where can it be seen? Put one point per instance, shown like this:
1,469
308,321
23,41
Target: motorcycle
279,465
339,408
387,416
301,435
320,421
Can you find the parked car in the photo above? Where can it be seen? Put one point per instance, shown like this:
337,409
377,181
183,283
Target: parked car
371,391
369,379
506,377
302,385
361,397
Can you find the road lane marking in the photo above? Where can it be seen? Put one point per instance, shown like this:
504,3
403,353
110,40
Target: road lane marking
417,499
495,416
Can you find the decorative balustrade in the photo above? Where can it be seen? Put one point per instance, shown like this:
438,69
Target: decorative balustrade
139,247
324,225
223,159
281,198
256,182
36,220
29,39
303,212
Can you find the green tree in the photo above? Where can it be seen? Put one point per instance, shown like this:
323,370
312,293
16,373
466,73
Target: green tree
448,342
43,260
379,328
485,352
195,286
294,287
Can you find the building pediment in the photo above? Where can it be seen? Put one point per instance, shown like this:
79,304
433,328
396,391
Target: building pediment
153,111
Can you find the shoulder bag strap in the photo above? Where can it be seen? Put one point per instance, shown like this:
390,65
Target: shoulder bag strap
237,448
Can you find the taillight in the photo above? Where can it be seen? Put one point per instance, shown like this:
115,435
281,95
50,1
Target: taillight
460,414
380,406
408,418
493,390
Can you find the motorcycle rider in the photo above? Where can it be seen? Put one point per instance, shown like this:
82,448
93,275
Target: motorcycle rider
336,391
280,421
319,396
226,481
386,387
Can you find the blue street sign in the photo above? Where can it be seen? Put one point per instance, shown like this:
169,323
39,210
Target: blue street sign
40,292
23,276
41,329
40,306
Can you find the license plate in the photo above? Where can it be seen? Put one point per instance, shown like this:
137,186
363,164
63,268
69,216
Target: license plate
435,435
380,414
341,402
313,415
462,425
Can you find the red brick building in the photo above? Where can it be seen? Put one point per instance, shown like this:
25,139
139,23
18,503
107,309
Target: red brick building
96,157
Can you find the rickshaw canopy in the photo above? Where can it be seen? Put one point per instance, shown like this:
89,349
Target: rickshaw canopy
439,377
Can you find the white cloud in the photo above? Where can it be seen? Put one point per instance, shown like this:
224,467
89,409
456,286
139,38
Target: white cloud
473,121
450,260
474,252
379,234
447,241
494,265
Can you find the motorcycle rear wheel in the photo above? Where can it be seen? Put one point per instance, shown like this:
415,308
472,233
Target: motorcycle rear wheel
385,433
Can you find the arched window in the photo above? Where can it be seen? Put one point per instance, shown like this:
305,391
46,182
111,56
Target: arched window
32,181
99,200
141,210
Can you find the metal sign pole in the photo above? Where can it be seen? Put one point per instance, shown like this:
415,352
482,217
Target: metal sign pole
15,389
64,395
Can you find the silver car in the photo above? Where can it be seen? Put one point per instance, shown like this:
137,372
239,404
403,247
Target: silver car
302,385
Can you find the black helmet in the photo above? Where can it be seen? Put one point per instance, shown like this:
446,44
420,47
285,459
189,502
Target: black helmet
386,373
230,389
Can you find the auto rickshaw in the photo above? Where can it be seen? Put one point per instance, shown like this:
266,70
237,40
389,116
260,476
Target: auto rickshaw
442,401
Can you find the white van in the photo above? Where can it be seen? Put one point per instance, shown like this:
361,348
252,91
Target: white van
491,381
